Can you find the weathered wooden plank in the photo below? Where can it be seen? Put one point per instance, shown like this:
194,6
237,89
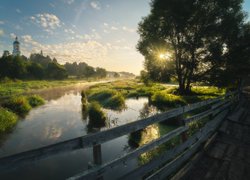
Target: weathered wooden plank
97,171
153,164
222,108
215,106
174,165
156,162
195,159
236,116
97,138
16,160
199,116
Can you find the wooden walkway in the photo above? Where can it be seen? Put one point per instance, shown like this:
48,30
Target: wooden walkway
227,157
228,154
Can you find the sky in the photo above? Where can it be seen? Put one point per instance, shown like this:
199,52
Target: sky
102,33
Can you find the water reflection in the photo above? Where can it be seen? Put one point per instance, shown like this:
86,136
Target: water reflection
63,118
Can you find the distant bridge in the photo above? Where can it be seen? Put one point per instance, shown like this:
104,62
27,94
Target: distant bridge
227,123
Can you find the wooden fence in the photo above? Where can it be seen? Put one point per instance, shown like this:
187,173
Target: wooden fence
162,165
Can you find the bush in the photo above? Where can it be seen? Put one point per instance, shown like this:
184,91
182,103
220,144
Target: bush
115,102
208,90
164,99
84,97
101,95
108,98
20,105
35,100
97,117
7,119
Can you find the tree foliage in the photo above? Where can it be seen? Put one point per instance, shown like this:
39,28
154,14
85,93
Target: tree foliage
39,66
84,70
198,34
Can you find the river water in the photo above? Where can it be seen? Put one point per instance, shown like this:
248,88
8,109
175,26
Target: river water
61,119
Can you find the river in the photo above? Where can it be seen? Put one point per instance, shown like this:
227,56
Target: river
61,119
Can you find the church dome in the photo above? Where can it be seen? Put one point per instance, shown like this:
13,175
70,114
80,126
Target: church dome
16,41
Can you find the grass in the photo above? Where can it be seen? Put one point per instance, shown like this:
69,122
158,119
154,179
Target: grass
97,117
108,98
19,105
150,133
35,100
11,88
163,99
8,120
159,94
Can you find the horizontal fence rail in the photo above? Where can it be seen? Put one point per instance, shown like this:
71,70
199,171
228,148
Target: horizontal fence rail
216,110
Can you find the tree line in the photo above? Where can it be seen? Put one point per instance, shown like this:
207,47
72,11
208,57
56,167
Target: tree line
195,41
38,66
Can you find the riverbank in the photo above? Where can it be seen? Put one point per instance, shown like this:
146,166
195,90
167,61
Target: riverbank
18,87
160,95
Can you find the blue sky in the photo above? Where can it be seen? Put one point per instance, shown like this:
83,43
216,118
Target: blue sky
99,32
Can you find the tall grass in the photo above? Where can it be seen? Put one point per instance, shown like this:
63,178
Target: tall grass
14,87
108,98
7,119
19,105
164,99
35,100
97,117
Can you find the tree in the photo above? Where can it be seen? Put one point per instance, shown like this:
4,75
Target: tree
56,71
36,71
100,72
195,33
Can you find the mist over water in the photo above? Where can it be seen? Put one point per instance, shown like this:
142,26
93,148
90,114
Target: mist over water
61,119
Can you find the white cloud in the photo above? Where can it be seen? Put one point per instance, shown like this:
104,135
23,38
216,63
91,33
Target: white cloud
67,52
1,32
69,31
18,10
128,29
95,5
12,35
114,28
18,27
52,5
1,22
70,1
47,21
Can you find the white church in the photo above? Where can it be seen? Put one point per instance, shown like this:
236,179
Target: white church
16,49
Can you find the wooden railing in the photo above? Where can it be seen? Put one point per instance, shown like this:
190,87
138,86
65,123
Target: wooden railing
163,165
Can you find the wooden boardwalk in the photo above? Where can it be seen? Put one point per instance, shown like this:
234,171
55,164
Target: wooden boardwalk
228,154
226,157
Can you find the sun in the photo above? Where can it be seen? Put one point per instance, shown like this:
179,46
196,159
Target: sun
164,56
161,56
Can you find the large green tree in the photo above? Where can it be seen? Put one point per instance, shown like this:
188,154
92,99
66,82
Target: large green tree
196,33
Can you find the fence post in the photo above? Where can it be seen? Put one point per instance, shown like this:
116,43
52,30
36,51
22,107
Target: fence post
181,122
97,157
97,154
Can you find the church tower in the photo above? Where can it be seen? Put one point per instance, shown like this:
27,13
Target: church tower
16,48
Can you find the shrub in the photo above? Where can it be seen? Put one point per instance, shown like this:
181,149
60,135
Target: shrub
97,117
209,91
35,100
108,98
101,94
84,97
162,99
20,105
115,102
7,119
